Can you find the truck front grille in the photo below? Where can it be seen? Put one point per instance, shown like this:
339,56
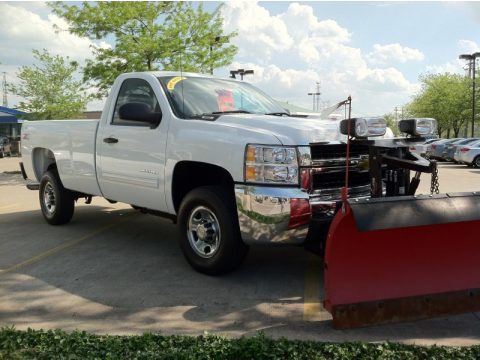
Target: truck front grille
329,167
330,180
337,151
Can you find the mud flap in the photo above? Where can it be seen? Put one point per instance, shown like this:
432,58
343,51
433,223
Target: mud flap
404,258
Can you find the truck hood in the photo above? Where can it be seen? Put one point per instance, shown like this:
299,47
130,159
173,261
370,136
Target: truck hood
288,130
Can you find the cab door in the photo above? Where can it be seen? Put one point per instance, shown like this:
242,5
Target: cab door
131,154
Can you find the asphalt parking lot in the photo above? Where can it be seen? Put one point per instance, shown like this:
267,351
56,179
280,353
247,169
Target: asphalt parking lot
114,270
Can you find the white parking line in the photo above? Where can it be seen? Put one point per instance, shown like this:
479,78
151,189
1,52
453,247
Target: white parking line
59,248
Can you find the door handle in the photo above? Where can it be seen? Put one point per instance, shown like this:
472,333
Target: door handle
110,140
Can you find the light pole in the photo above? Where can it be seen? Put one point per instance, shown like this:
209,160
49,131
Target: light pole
4,87
472,58
314,94
216,40
241,72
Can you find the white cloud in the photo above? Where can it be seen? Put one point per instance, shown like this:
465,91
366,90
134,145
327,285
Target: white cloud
261,33
23,30
292,85
302,24
452,67
468,46
456,66
316,50
392,53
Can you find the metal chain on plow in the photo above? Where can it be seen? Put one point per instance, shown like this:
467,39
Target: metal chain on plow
434,183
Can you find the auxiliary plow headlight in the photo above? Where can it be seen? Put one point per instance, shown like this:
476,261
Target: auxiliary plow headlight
418,126
364,127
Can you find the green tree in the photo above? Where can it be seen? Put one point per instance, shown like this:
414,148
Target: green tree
392,123
444,97
50,88
148,36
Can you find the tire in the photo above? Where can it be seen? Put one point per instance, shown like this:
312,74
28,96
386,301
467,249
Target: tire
56,202
2,155
210,237
476,162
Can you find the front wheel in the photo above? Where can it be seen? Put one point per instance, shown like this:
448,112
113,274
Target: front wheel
56,202
210,237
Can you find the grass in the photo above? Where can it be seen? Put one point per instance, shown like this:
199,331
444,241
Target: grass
57,344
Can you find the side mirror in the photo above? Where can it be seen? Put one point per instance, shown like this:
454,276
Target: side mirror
140,112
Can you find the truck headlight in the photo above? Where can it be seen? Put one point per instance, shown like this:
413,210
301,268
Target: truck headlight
364,127
418,126
271,164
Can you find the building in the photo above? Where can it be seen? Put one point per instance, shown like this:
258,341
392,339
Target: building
10,124
293,108
92,115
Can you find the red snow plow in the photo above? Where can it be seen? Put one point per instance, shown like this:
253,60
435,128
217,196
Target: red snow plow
396,256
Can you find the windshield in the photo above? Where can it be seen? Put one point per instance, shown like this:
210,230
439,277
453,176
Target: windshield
193,97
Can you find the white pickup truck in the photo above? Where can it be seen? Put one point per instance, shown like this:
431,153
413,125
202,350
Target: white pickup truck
217,156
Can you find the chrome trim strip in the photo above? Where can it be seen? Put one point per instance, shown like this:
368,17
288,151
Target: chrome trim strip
304,156
335,193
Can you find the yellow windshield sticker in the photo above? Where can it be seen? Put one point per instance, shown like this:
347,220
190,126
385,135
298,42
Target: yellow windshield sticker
174,81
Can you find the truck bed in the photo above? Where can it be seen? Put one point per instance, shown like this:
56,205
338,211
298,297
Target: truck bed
72,144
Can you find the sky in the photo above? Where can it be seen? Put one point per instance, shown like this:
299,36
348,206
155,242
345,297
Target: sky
373,51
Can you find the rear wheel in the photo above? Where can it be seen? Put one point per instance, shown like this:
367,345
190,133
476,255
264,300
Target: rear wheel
476,162
56,202
210,236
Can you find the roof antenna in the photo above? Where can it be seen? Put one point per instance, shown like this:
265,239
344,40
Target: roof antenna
181,74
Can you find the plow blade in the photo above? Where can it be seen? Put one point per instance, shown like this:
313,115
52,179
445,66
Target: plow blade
404,258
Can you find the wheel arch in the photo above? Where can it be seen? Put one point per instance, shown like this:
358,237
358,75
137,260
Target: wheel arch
42,160
188,175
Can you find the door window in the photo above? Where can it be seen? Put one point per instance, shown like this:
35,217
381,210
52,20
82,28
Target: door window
135,91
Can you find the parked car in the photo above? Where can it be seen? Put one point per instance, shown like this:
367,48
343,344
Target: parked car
5,147
449,150
436,149
428,149
469,154
421,149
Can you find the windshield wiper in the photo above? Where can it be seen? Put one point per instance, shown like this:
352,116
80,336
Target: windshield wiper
229,112
215,114
278,113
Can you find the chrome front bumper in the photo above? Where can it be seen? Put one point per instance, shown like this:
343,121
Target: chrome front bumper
264,214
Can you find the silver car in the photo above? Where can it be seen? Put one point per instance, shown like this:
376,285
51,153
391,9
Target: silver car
450,149
421,149
436,149
468,154
429,149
